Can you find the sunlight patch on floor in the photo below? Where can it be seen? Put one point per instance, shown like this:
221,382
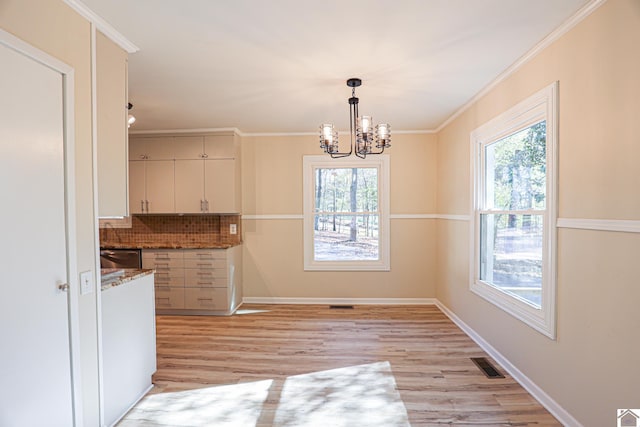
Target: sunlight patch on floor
363,395
229,405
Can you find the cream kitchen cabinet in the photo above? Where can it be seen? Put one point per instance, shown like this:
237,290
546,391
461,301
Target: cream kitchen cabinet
206,175
151,186
151,148
196,281
169,277
222,185
111,127
189,183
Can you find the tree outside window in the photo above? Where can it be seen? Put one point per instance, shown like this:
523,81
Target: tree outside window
347,211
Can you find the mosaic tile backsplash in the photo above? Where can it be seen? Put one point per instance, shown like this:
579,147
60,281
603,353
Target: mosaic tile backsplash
173,231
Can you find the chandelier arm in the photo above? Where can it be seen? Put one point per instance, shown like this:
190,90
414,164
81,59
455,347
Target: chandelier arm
339,155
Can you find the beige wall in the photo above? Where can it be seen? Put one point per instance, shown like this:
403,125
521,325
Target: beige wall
54,28
592,368
273,249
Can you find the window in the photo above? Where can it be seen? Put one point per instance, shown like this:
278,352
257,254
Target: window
346,213
514,207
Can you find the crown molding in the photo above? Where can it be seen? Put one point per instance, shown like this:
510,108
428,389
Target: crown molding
102,25
183,131
565,27
395,132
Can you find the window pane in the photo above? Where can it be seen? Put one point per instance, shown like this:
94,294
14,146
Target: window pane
516,170
346,237
511,254
346,190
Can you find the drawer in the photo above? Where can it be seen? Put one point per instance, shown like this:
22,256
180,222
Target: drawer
200,279
217,264
162,254
158,264
205,254
169,298
169,278
206,299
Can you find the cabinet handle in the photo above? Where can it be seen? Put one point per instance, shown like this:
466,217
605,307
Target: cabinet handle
147,204
142,205
206,202
202,206
205,299
204,155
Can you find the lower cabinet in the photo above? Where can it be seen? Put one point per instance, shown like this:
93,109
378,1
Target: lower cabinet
196,281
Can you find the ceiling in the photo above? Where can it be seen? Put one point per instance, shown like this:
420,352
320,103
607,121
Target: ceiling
280,66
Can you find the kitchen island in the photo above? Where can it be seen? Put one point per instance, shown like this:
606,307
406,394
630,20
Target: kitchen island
128,339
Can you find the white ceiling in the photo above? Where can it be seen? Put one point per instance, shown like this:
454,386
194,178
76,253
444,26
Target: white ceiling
281,65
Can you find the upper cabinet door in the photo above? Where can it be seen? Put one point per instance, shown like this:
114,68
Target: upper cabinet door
190,186
111,109
220,186
151,148
137,196
189,147
220,147
160,186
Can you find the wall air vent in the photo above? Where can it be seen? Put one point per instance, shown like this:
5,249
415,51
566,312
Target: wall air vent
486,367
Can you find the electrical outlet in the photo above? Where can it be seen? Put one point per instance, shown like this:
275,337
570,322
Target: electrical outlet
86,282
233,229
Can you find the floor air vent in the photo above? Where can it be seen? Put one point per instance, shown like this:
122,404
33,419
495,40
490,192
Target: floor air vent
341,306
486,367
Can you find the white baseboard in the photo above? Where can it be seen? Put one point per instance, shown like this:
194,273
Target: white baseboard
339,301
545,400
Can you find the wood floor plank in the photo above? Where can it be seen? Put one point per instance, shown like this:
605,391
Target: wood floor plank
304,365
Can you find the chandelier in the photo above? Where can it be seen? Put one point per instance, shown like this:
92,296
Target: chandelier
363,134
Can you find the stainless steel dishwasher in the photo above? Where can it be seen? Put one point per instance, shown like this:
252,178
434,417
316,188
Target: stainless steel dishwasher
120,258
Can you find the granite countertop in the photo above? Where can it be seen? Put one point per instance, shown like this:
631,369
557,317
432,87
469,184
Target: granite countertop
168,245
111,277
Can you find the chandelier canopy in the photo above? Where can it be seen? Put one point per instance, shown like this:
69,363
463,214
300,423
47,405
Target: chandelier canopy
363,134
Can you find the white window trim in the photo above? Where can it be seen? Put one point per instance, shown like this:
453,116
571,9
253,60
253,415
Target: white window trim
310,164
540,106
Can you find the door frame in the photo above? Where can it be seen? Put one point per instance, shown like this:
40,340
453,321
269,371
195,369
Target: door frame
68,97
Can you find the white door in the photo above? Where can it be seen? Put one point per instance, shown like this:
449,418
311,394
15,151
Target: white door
35,361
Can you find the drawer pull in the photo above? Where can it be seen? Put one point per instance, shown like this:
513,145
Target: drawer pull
205,299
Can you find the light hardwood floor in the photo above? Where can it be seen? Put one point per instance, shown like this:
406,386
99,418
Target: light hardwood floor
294,365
